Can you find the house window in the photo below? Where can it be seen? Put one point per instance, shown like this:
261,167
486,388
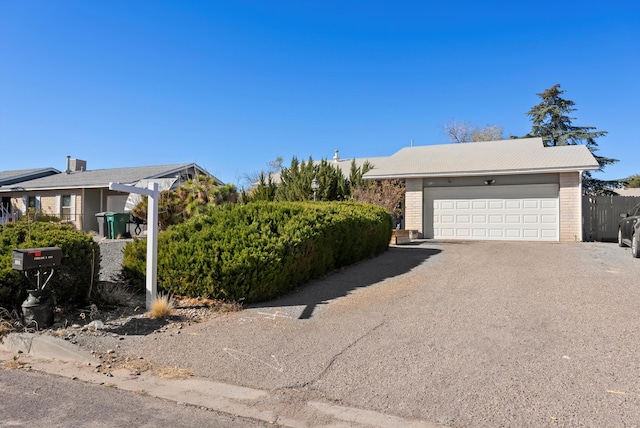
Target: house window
65,207
32,202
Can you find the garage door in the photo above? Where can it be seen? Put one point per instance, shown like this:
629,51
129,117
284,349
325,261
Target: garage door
524,212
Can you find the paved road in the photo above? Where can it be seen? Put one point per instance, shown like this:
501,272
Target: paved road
469,334
36,399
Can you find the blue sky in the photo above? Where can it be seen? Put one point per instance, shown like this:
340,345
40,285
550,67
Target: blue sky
231,85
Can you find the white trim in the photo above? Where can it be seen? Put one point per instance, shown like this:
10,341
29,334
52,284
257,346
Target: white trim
25,204
58,206
72,210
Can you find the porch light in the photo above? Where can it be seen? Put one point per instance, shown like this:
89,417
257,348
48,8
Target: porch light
315,185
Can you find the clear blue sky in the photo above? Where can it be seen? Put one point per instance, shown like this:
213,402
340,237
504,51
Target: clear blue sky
231,85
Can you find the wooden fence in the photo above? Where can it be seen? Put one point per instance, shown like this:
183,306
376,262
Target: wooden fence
601,215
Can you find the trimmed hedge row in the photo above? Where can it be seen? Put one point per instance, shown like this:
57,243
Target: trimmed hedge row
70,282
257,251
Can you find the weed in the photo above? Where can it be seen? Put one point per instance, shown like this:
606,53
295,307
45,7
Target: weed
9,321
162,307
174,373
113,293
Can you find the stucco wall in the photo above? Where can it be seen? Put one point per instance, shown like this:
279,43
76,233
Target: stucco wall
570,206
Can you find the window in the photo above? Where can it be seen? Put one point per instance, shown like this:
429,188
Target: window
65,207
32,203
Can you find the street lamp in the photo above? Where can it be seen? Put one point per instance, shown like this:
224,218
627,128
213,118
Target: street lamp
315,185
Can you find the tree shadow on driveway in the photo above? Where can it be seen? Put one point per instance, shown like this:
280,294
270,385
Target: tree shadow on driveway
396,261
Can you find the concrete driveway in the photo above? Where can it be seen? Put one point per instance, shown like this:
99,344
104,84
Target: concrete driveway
464,334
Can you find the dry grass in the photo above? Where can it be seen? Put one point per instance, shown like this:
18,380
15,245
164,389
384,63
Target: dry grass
162,307
8,321
15,364
174,373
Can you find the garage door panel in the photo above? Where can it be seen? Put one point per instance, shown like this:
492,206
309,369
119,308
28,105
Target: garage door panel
512,219
531,233
526,212
463,219
447,205
478,218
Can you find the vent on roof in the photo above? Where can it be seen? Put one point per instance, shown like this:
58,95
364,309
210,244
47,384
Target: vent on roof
76,165
336,158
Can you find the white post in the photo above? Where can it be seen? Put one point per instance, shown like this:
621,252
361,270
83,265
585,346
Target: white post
152,245
152,234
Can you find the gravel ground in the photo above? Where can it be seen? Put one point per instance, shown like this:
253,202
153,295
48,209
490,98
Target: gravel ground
111,257
469,334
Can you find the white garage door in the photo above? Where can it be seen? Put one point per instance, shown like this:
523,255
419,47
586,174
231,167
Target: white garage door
524,212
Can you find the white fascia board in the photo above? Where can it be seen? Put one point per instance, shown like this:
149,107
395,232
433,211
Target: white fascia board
370,176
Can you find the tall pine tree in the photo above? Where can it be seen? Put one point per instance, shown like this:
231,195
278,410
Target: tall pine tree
552,122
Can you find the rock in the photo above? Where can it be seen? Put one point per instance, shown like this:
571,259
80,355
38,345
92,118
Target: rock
97,324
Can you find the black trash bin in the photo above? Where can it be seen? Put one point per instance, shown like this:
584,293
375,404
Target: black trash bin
103,228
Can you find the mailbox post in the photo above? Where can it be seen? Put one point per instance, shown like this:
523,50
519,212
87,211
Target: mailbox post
40,262
152,234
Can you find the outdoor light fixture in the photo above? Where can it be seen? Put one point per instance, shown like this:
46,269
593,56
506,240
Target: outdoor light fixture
489,182
315,185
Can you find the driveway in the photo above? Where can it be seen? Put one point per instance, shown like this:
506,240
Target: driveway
464,334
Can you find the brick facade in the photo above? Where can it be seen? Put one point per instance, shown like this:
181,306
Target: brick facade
570,206
413,202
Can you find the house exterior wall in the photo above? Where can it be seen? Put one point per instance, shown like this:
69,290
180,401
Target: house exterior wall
571,206
413,203
49,203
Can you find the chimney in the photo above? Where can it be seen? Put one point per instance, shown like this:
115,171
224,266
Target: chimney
78,165
336,158
75,165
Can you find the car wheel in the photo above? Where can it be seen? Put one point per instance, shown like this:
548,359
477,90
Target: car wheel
635,246
620,243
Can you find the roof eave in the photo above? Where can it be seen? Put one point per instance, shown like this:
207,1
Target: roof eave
372,176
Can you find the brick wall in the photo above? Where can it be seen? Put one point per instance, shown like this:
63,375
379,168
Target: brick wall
413,205
570,206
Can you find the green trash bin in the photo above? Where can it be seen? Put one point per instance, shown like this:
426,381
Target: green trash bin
117,223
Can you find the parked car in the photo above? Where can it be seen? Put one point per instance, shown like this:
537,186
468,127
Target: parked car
629,231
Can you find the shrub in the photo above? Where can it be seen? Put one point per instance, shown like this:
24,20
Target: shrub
261,250
72,279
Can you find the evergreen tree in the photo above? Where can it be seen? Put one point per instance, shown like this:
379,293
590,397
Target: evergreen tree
551,122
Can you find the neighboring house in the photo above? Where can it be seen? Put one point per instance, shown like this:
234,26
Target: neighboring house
77,194
16,176
344,165
496,190
628,191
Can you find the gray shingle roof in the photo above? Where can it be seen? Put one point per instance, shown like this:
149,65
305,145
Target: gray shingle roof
520,156
10,177
101,177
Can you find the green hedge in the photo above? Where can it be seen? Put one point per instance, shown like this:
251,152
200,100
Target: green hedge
70,282
257,251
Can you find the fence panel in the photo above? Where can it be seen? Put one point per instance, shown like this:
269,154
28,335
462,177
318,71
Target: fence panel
601,215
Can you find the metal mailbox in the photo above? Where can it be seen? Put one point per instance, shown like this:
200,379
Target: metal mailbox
36,258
